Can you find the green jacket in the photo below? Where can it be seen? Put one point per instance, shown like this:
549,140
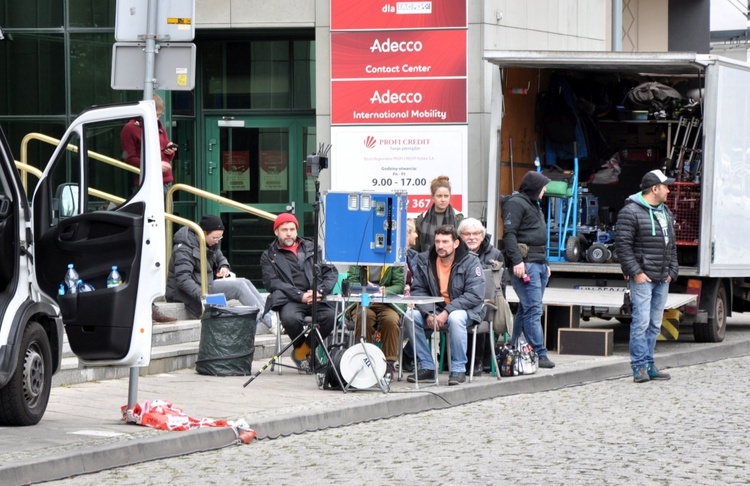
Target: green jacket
393,278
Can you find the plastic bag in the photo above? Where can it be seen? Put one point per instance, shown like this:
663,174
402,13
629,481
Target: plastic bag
609,172
527,361
159,414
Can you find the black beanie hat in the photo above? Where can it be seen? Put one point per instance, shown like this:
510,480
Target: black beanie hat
211,223
532,184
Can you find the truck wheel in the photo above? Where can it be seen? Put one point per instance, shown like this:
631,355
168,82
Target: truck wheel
24,398
572,249
715,329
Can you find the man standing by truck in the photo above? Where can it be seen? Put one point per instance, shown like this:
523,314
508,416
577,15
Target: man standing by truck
525,239
647,252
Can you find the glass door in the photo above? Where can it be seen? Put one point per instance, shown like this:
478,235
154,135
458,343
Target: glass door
259,162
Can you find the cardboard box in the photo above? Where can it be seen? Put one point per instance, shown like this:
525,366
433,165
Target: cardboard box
593,342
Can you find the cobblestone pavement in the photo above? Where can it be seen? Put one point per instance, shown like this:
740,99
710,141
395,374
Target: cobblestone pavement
690,430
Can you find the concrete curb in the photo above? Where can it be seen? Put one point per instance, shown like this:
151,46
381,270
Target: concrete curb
92,459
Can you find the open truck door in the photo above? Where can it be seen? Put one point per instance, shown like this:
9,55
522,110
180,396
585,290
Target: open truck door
94,215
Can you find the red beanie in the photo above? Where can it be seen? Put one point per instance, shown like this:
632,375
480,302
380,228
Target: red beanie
285,218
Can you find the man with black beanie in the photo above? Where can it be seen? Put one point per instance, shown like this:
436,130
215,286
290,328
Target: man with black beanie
525,238
184,281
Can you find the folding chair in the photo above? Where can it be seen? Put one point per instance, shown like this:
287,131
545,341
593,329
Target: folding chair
489,312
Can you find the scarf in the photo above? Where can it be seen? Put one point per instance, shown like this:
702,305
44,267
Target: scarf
430,224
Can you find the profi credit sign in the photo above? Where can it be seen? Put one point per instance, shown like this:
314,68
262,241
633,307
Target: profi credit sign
399,91
378,158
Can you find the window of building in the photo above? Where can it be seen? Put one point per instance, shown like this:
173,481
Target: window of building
258,74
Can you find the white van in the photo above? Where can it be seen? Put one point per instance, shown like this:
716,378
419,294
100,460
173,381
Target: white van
71,220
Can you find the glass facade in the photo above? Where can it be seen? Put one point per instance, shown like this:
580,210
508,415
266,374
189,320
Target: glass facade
258,74
56,61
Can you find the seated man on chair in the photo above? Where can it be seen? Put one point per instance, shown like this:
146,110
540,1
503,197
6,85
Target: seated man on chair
288,266
184,281
381,318
451,271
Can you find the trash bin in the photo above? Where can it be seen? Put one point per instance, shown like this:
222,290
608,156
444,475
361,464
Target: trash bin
227,342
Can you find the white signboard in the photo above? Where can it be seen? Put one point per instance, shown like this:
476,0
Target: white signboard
407,158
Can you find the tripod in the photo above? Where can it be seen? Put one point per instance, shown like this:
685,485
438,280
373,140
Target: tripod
314,164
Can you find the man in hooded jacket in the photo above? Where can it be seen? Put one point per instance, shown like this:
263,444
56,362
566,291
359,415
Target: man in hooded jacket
647,252
184,280
525,239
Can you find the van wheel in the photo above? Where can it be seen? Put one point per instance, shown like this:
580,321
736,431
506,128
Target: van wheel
715,329
23,400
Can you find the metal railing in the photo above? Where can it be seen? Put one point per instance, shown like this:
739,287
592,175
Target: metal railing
25,168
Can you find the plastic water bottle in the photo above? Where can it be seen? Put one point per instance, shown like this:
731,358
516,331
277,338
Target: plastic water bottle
114,279
83,286
71,280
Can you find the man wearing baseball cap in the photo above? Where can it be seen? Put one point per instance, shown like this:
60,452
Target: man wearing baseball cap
288,266
647,251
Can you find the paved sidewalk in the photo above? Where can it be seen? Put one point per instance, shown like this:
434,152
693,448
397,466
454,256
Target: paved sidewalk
83,432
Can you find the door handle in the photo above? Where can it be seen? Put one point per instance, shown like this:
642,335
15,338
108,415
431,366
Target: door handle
67,233
291,207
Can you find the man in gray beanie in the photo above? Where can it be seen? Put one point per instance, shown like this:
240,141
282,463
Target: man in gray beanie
525,238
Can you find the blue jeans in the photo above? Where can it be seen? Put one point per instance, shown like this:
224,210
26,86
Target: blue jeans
457,321
648,299
528,318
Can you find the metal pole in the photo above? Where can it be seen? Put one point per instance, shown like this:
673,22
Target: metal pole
616,25
148,93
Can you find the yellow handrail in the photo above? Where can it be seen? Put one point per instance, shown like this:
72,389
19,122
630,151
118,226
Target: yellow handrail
170,218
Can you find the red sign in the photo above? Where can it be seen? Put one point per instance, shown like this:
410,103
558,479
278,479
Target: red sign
398,101
398,54
384,14
419,203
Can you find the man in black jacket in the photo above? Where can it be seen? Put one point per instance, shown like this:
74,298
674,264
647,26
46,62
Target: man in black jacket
646,248
184,281
474,234
288,268
525,238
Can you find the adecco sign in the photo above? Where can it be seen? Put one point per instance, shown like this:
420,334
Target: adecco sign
398,54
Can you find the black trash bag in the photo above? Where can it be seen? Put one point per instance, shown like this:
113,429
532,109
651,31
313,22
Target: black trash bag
227,344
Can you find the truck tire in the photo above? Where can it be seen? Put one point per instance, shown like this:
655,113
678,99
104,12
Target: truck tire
715,329
24,398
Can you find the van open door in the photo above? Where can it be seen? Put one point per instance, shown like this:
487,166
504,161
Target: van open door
95,215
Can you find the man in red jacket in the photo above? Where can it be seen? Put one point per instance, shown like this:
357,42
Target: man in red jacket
130,140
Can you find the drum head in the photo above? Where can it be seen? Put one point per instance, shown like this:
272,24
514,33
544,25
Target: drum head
356,368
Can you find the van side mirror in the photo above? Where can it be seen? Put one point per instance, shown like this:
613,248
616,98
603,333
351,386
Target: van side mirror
67,195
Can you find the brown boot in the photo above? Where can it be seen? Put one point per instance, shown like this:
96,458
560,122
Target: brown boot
160,317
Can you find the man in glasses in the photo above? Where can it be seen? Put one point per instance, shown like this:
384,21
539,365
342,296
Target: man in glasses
449,270
474,234
184,282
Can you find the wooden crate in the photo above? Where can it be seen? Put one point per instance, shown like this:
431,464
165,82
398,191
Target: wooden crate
594,342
